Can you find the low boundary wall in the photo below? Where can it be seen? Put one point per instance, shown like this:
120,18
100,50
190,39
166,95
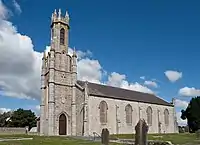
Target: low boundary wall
12,130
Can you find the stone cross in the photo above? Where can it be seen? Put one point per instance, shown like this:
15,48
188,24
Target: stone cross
105,136
141,130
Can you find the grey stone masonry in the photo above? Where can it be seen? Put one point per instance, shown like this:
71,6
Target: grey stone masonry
86,119
51,101
42,105
58,79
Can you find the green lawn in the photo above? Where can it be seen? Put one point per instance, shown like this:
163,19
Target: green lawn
183,138
39,140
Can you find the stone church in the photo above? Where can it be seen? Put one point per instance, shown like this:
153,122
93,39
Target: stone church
79,108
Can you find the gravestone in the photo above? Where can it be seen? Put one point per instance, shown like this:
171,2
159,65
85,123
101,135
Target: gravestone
105,136
141,130
26,129
198,133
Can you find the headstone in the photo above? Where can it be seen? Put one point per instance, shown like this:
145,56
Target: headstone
105,136
198,133
141,130
26,128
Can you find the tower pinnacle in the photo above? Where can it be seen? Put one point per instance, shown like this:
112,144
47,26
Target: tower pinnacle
74,53
44,55
57,17
44,61
66,15
55,13
59,13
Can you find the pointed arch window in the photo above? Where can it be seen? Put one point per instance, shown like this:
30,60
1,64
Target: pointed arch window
166,117
128,110
149,116
103,107
62,36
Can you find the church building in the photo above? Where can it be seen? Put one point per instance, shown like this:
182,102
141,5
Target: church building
80,108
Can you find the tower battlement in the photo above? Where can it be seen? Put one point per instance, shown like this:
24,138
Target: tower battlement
57,17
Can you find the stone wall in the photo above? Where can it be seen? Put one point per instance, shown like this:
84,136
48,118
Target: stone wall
62,106
123,128
79,111
12,130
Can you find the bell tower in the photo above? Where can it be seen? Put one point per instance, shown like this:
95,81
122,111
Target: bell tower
60,30
59,76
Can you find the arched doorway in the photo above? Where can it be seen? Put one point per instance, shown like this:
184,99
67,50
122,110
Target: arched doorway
62,125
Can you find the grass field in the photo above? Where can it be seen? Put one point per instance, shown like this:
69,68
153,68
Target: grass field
38,140
181,139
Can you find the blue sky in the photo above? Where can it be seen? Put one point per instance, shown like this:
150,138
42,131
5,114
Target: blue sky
132,38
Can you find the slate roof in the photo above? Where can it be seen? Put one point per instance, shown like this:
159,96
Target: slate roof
105,91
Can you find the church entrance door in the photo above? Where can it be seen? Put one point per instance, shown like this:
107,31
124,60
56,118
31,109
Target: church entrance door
62,124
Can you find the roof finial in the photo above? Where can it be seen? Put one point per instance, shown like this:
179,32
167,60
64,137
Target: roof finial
59,13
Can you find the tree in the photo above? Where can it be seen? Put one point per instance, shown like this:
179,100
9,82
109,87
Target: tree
192,114
23,118
4,119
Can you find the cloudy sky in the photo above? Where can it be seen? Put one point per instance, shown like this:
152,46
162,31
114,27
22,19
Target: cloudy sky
147,46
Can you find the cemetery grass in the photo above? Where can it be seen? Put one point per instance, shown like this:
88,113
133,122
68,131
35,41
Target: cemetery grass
40,140
181,138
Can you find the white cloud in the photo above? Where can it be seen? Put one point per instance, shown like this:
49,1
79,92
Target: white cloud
2,110
90,70
181,103
17,6
136,87
80,54
151,84
142,77
3,10
119,80
116,79
36,109
20,64
179,120
189,92
173,76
